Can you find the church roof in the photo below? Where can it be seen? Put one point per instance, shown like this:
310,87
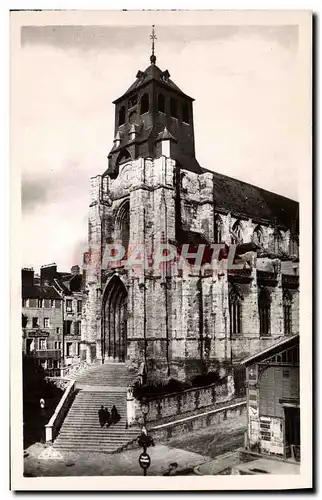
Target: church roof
246,200
38,291
152,73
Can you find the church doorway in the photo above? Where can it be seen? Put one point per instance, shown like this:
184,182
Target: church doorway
114,334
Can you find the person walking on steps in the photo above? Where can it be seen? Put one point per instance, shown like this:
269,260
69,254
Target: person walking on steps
107,417
101,416
115,416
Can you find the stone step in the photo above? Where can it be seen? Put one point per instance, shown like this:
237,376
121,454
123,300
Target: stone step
81,428
101,433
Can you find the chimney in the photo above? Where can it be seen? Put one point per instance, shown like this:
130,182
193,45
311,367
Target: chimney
75,270
48,272
27,276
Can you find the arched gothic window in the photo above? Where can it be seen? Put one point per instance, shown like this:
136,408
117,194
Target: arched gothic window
173,108
235,310
144,104
122,115
264,308
123,225
287,310
258,236
161,103
218,229
237,234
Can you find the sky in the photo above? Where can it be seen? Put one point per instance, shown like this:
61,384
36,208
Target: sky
243,80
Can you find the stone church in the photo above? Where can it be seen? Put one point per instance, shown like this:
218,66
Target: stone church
178,321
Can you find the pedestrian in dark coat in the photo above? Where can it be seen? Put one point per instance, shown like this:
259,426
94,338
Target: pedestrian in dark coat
107,416
115,416
101,416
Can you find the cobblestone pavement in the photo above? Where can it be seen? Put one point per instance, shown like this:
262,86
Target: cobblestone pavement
98,464
188,450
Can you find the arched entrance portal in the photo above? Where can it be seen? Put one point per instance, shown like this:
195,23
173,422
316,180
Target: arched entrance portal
114,321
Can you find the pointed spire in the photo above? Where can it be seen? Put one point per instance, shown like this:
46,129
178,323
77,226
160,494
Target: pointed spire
153,37
132,132
117,139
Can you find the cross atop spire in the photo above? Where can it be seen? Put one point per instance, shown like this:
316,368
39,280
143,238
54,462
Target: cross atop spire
153,37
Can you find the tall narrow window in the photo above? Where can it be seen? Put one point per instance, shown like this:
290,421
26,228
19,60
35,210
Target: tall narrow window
67,327
77,329
122,115
42,344
258,236
277,241
185,113
144,104
287,310
69,305
235,310
69,347
161,103
123,225
173,108
264,308
218,229
35,323
236,233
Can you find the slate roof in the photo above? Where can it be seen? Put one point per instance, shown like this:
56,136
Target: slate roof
39,292
152,73
243,199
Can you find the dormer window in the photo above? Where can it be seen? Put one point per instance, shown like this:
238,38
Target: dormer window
165,75
173,108
122,115
185,113
161,103
144,104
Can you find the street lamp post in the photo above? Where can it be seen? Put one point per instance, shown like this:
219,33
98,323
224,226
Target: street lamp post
144,439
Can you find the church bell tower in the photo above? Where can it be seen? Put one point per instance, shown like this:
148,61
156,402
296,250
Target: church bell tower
153,111
128,315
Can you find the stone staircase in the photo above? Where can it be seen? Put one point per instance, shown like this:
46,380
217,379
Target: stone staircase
107,375
101,385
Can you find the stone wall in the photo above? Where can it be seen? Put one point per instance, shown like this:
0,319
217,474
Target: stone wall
194,423
171,405
172,313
